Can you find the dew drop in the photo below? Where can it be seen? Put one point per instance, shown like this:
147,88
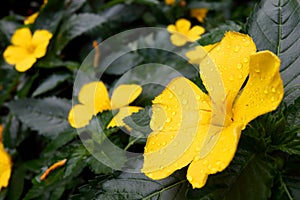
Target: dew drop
150,175
231,78
273,90
240,76
237,48
198,97
175,144
218,163
171,137
247,43
205,162
197,158
184,101
168,120
272,98
218,48
257,70
239,65
164,143
228,46
173,87
198,149
171,96
266,91
245,60
209,166
190,178
161,167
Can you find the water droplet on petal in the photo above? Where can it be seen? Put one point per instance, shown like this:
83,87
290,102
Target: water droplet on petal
171,96
237,48
175,144
198,149
218,48
231,77
257,70
184,101
245,60
190,178
228,46
161,167
240,76
247,43
168,120
218,163
164,143
266,91
198,97
150,175
273,90
272,98
239,65
197,158
205,162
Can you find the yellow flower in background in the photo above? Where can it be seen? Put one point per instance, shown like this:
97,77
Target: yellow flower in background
31,19
170,2
199,13
27,48
183,33
5,164
94,98
200,130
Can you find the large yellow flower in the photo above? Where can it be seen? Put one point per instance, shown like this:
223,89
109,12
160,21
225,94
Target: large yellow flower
5,164
183,33
94,98
27,48
191,127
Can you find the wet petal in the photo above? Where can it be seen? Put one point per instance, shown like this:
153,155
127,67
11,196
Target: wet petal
175,122
195,56
5,167
41,49
172,28
25,64
95,94
123,112
124,95
231,67
80,115
264,90
22,37
15,54
217,159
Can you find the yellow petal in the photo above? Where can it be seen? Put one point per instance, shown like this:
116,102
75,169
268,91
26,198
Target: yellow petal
124,95
199,13
31,19
175,121
40,41
123,112
25,64
80,115
264,90
195,32
41,36
95,95
195,56
183,25
170,2
231,58
22,37
179,39
171,28
15,54
5,167
217,159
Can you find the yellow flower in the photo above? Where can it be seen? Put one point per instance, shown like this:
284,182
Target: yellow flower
199,13
183,33
27,48
5,164
94,98
31,19
170,2
202,131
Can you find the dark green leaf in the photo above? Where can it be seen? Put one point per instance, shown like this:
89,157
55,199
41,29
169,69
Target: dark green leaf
249,176
50,16
74,5
98,167
75,26
138,186
274,26
47,116
50,83
8,82
140,121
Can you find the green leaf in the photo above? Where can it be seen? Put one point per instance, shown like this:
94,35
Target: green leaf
140,121
249,176
76,161
50,83
138,186
9,79
47,116
74,5
50,16
274,26
75,26
98,167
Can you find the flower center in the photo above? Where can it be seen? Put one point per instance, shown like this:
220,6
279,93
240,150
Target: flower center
31,48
